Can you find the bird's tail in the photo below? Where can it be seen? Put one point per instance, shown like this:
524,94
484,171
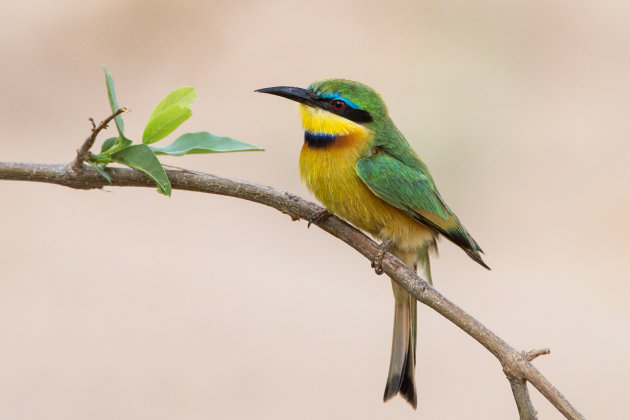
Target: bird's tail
401,378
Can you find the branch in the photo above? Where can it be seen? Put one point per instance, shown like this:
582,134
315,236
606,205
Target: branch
516,365
526,410
84,151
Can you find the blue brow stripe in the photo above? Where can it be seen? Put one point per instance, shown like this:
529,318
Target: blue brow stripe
336,95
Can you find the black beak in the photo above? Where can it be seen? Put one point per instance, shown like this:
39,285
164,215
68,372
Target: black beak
294,93
307,97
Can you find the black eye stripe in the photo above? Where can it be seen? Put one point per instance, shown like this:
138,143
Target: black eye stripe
353,114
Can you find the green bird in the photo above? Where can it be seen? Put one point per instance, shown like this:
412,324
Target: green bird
362,169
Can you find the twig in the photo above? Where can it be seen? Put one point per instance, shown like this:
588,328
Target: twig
515,364
82,152
532,354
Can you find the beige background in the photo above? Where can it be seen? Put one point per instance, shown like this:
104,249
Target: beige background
124,304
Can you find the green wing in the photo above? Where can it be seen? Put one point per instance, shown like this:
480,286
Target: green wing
410,190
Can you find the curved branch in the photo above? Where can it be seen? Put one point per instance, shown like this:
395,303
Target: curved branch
516,365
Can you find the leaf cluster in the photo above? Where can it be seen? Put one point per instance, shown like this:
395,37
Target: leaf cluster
167,116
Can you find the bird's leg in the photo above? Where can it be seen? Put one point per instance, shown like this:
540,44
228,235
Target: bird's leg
378,258
319,216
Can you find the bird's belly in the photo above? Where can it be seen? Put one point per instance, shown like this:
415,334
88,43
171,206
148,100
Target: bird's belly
331,176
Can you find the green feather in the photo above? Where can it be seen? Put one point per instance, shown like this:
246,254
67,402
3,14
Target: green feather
409,189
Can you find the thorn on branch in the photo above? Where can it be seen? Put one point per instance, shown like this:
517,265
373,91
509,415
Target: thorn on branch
532,354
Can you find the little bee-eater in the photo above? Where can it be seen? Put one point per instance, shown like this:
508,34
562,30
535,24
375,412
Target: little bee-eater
362,169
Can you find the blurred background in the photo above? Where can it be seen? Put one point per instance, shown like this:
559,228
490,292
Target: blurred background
126,304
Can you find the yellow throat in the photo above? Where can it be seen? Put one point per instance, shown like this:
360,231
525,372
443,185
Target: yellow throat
319,121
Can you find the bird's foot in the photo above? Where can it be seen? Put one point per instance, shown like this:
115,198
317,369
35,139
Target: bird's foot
318,217
378,258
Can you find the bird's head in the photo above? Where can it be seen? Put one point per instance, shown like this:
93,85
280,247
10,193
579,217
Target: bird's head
335,107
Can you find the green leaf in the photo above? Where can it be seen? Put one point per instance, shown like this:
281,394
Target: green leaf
123,142
101,170
141,158
164,123
169,114
183,96
108,144
113,103
203,142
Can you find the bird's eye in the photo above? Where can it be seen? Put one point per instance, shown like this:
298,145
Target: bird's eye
338,104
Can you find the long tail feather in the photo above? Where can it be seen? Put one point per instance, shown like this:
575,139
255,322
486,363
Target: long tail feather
401,377
402,366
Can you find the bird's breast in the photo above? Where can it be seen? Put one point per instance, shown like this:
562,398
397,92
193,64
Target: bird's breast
330,174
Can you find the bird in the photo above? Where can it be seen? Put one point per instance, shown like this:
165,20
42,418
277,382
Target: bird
363,170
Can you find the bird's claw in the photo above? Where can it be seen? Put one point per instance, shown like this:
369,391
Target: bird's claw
378,258
320,216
